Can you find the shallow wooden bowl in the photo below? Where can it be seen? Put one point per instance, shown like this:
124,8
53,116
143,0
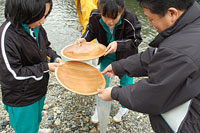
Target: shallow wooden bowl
80,78
87,51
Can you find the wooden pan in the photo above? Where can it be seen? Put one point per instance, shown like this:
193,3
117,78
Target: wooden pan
87,51
80,78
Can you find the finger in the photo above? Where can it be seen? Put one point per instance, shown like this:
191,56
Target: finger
58,60
108,47
99,90
107,52
100,96
76,42
79,43
61,63
104,71
56,64
107,69
109,74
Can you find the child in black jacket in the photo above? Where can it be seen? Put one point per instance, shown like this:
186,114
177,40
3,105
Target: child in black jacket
119,30
24,76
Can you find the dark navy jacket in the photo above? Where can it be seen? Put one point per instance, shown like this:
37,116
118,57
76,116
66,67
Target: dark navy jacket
172,75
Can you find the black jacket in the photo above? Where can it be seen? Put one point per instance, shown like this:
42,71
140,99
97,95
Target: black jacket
127,34
173,75
24,66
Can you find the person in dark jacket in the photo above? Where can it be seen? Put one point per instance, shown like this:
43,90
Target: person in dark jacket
119,30
24,71
170,91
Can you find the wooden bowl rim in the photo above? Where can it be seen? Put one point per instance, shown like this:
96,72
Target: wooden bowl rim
77,92
83,59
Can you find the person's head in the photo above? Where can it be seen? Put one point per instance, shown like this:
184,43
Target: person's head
111,11
162,14
30,12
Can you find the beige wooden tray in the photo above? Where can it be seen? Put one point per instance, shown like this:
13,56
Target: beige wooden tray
80,78
86,51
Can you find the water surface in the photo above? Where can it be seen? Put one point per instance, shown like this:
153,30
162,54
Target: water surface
63,26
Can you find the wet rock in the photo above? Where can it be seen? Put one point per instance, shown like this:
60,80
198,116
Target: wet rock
94,130
4,123
67,130
46,107
67,112
74,127
57,122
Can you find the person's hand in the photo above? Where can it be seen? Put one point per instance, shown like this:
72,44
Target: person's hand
111,48
105,94
79,41
60,61
53,66
108,71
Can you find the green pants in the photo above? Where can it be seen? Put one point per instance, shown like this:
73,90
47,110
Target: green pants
124,81
26,119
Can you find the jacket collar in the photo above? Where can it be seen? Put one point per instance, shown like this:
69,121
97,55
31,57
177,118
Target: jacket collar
186,18
21,30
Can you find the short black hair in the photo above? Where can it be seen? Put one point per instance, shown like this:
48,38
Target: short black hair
20,12
111,8
160,7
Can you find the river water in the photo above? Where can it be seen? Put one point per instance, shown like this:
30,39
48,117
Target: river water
63,26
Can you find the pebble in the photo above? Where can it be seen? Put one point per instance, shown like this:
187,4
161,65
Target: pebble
67,112
46,107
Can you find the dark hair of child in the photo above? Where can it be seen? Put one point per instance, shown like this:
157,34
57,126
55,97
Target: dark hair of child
111,8
20,12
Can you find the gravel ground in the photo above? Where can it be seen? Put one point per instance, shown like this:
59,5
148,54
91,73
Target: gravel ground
67,112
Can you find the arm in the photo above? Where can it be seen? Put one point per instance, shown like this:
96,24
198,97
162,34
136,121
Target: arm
53,57
135,65
169,75
132,37
13,64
